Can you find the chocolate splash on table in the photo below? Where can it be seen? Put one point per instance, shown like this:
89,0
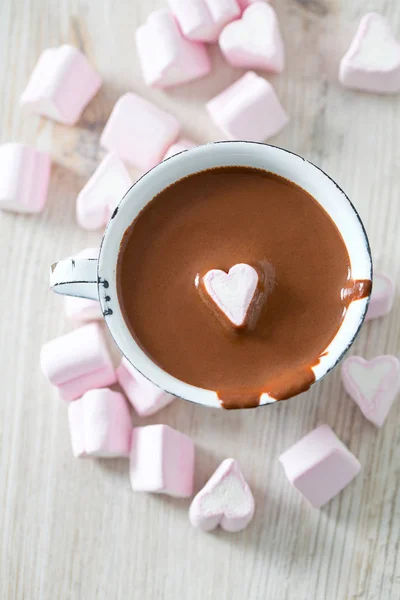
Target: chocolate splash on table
213,220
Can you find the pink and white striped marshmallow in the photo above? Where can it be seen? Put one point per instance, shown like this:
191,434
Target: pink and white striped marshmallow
255,40
61,85
162,461
145,397
226,500
139,132
319,466
373,385
203,20
166,57
249,109
24,181
382,297
372,63
100,425
77,362
99,197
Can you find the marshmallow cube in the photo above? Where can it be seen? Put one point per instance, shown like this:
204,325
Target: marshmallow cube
372,63
77,362
254,41
24,179
83,309
382,297
166,57
61,85
203,20
319,466
100,425
145,397
248,110
139,132
162,461
106,187
180,146
373,385
225,500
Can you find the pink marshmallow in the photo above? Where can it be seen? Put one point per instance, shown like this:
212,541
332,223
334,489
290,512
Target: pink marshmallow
232,292
248,110
254,41
245,3
319,466
180,146
373,385
83,309
225,500
139,132
61,85
100,196
203,20
145,397
162,461
100,425
24,178
166,57
382,297
77,362
372,63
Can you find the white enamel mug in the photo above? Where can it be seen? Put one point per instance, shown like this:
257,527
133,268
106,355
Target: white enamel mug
91,278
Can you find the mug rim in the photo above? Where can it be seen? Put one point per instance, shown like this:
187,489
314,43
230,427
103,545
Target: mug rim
213,400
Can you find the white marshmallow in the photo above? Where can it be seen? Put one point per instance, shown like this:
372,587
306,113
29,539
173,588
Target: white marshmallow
372,63
254,41
103,191
100,425
61,85
225,500
232,292
249,109
167,58
203,20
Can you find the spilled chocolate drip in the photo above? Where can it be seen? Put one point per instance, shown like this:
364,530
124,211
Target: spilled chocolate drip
356,290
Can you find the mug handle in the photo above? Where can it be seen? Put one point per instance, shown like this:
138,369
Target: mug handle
75,277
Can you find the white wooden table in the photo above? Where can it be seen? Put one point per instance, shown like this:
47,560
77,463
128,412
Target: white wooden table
73,529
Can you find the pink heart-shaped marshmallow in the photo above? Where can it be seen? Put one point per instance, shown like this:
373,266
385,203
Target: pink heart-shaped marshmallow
225,500
232,292
373,384
372,63
255,40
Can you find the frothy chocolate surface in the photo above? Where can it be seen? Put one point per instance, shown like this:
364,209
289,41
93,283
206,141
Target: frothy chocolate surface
214,220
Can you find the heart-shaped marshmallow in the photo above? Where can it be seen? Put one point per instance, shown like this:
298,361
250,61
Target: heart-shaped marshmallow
254,41
225,500
382,297
374,385
372,63
233,292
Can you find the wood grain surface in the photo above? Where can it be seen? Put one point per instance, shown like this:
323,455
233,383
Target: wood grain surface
73,529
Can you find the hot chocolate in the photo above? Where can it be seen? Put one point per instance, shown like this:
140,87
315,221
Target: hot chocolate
213,220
